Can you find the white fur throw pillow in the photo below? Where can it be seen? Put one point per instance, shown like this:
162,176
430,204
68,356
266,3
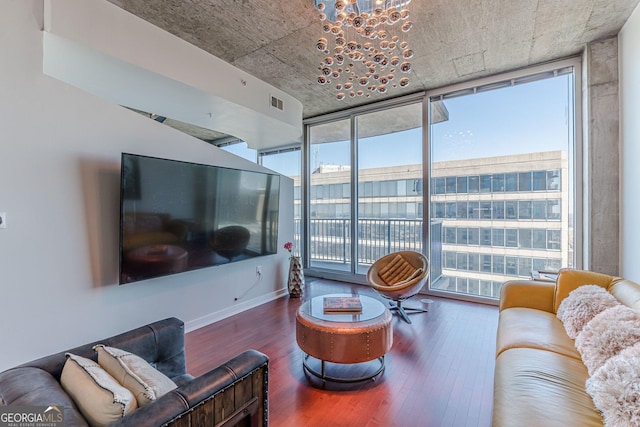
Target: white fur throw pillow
607,334
615,388
581,305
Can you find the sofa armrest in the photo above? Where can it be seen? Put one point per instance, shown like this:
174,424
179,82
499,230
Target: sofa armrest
157,413
225,395
228,393
222,376
527,294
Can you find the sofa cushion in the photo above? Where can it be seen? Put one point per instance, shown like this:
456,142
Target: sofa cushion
582,305
526,327
146,383
541,388
607,334
98,395
28,386
615,388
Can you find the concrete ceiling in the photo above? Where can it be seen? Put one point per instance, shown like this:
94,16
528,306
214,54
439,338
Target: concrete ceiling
453,40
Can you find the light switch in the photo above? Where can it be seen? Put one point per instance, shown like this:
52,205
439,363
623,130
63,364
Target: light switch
3,220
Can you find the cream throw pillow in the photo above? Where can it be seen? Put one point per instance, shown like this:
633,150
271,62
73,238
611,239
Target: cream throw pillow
581,305
607,334
133,372
100,398
615,388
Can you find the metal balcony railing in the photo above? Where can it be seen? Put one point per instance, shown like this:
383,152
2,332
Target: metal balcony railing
330,240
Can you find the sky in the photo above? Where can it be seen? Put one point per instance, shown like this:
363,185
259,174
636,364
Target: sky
519,119
530,117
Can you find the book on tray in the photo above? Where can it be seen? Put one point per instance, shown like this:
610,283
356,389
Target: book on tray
342,304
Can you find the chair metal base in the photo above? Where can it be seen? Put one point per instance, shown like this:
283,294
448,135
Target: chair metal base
402,311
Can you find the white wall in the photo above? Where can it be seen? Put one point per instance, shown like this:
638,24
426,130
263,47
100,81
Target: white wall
629,54
142,66
59,184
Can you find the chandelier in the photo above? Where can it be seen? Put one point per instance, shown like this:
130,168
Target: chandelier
364,46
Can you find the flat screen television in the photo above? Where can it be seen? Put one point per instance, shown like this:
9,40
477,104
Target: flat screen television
178,216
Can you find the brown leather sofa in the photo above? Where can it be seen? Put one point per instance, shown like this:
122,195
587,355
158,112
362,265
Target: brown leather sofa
539,374
234,393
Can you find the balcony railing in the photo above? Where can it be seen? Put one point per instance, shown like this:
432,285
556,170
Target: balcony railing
330,240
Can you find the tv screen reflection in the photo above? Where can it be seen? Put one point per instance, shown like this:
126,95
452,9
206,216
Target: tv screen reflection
178,216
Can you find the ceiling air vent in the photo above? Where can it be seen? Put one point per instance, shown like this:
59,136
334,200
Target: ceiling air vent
277,103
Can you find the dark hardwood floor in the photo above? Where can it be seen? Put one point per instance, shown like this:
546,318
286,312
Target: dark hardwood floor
439,371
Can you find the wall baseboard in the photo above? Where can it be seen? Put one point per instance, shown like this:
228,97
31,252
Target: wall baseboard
200,322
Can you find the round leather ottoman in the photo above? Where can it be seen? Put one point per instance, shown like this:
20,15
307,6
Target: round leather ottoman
345,338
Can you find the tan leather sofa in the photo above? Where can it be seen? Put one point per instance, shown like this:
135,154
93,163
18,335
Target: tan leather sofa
539,375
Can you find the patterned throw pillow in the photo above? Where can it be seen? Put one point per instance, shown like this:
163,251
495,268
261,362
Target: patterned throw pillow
581,305
398,270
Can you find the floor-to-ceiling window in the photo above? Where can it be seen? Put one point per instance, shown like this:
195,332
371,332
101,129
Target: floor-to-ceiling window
373,156
288,162
502,181
498,191
329,239
390,187
240,149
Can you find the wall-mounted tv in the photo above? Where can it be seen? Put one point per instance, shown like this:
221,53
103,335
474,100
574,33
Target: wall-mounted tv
178,216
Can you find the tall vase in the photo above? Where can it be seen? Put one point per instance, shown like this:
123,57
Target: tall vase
296,277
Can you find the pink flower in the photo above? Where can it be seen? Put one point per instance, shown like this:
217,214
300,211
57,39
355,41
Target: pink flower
288,246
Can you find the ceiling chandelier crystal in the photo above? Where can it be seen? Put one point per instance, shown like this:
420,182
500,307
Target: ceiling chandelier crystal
365,46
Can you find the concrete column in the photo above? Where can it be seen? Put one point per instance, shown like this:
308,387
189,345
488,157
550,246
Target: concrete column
601,184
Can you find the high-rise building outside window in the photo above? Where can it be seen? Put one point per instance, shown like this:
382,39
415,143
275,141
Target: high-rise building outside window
506,153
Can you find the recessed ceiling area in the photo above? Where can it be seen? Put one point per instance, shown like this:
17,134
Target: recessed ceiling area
453,41
207,135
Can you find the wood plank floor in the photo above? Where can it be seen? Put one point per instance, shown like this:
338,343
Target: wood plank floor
439,371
